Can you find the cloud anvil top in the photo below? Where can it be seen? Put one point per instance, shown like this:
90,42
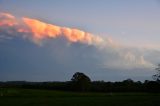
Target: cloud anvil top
40,30
105,52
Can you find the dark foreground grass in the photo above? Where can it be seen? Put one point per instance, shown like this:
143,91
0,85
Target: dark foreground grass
28,97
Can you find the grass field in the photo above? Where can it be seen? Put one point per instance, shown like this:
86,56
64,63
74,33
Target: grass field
29,97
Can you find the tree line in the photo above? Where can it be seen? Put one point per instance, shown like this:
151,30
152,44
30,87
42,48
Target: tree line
82,83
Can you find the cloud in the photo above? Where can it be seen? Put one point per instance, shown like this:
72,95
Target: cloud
3,37
105,52
41,30
7,19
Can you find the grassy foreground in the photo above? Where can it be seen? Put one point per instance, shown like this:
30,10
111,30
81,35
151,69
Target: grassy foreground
29,97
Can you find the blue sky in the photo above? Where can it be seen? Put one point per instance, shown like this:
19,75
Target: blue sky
134,24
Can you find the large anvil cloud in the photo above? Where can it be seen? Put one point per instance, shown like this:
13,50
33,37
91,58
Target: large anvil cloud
111,54
39,30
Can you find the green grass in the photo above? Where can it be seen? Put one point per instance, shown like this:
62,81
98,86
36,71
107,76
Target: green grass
29,97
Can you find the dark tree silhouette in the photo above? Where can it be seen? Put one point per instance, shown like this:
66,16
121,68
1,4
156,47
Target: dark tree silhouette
157,75
80,82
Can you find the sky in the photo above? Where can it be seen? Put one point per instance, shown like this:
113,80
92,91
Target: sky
50,40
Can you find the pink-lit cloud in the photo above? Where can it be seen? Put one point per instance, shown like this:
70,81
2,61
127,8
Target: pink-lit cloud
38,31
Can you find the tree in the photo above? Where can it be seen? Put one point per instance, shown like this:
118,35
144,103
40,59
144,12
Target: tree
80,82
157,75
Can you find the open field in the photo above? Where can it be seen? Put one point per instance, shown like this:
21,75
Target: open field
29,97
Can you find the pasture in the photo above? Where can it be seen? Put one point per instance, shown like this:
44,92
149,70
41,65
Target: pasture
34,97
